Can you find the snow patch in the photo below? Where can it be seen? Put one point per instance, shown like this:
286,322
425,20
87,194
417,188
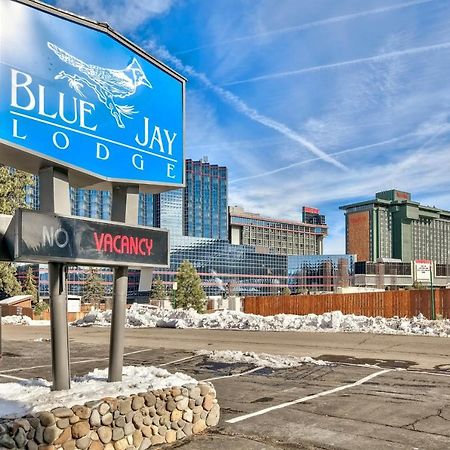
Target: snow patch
24,320
30,396
260,359
142,316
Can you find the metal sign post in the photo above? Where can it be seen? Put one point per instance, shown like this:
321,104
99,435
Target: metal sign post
92,109
40,237
55,198
125,204
433,306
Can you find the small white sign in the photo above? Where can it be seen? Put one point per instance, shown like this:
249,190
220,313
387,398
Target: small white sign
73,305
423,269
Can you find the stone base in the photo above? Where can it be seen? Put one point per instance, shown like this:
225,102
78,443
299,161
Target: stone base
132,422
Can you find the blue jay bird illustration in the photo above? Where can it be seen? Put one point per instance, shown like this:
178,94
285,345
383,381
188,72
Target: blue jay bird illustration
108,84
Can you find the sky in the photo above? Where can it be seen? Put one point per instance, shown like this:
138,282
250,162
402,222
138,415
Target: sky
307,102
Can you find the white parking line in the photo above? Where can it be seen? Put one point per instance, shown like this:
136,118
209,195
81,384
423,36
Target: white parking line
235,374
11,377
430,373
18,369
309,397
179,360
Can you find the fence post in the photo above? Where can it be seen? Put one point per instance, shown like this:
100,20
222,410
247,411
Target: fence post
433,311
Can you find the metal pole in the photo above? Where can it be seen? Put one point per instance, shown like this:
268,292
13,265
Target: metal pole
117,338
125,203
54,197
59,327
433,310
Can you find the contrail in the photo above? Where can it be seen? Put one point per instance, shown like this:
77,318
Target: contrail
307,161
381,57
240,106
307,26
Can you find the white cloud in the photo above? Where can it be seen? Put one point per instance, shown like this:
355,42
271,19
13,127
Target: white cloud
423,171
307,26
123,15
351,62
240,106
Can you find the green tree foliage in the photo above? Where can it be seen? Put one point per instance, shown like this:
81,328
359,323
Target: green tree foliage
286,291
158,291
40,307
94,291
13,185
29,286
9,286
189,293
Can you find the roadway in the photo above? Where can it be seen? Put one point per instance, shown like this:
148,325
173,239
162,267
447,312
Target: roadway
380,392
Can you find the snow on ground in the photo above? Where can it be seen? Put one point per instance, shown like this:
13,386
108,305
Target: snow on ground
143,316
23,320
20,398
260,359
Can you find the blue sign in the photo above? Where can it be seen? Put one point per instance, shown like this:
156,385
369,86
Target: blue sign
75,94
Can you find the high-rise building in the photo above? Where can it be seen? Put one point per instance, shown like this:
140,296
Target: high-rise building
199,209
283,237
205,200
197,220
168,211
146,207
312,216
32,194
90,203
394,226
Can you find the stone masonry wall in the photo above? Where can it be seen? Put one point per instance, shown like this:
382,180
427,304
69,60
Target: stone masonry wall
122,423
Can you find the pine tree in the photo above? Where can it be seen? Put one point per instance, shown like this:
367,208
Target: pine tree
29,286
286,291
9,286
40,307
13,185
189,293
158,291
94,291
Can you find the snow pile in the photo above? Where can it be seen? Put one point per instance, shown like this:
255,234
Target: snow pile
23,320
144,316
30,396
260,359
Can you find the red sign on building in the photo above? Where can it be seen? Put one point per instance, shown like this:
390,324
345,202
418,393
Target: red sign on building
308,209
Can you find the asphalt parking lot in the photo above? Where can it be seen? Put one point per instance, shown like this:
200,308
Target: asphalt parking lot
400,401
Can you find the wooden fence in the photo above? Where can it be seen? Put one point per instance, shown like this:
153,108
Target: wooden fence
13,310
384,304
84,309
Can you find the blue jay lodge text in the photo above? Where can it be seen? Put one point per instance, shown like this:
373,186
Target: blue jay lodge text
72,115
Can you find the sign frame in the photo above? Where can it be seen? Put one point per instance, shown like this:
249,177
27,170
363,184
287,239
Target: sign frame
423,270
32,161
13,239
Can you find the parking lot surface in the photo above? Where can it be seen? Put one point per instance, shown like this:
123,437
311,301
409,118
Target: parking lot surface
379,392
